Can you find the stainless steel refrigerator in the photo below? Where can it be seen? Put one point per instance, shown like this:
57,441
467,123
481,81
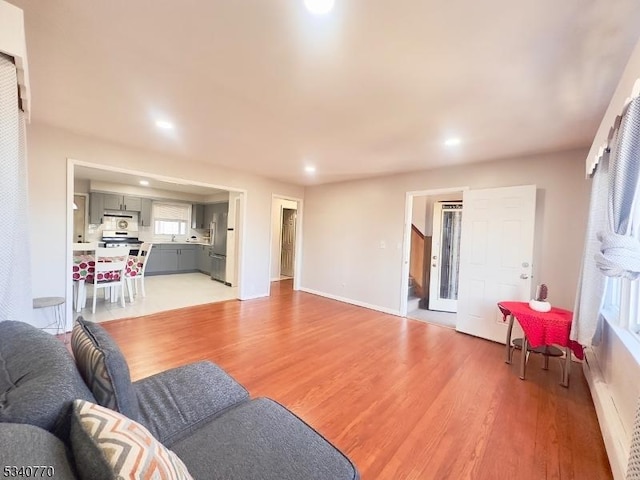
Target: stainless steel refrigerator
218,232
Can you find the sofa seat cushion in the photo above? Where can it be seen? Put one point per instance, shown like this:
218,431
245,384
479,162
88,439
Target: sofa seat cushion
31,452
175,402
262,440
108,446
103,368
38,379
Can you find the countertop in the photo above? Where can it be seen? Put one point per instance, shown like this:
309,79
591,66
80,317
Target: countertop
181,243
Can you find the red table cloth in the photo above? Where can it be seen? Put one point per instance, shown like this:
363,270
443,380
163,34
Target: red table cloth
84,268
545,328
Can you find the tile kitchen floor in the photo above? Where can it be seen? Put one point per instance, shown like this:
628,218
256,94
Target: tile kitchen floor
164,292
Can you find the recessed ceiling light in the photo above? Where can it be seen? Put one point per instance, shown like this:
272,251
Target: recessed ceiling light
144,183
319,7
310,169
452,142
164,124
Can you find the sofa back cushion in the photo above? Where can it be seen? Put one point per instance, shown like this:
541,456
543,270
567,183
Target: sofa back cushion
104,368
108,445
38,379
27,451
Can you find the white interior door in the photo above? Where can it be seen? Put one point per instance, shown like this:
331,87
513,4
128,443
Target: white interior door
496,256
445,257
288,242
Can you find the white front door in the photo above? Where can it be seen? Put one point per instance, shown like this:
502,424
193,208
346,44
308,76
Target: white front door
496,256
445,257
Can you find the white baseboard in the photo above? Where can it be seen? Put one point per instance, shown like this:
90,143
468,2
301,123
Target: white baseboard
253,297
352,302
610,422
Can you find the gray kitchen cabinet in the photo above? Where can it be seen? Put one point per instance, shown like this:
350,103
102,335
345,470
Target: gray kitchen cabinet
197,216
132,204
203,261
156,263
171,258
209,210
111,201
96,208
145,212
187,258
121,202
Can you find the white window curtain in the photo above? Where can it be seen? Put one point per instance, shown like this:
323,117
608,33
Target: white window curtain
592,282
15,263
620,250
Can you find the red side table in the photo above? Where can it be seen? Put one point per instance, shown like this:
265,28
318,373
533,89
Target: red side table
542,329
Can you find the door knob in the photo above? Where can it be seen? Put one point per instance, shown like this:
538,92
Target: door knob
433,264
524,276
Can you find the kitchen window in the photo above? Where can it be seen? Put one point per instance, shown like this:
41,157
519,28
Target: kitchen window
171,218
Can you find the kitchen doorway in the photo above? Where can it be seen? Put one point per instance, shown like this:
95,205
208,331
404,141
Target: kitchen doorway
189,283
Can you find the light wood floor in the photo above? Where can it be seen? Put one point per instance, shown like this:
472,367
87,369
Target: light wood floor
403,399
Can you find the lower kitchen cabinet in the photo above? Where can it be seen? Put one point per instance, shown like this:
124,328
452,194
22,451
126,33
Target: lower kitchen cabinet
168,258
203,259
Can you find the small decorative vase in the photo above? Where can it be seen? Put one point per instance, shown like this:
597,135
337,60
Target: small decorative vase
539,306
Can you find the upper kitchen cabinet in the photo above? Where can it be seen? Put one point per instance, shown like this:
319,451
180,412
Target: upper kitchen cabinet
198,216
145,212
96,208
122,202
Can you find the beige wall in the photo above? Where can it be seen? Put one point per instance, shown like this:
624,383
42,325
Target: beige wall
48,150
347,224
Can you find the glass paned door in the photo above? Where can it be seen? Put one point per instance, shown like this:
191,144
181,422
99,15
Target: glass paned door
445,256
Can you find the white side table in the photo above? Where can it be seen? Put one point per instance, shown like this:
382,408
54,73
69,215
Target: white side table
57,304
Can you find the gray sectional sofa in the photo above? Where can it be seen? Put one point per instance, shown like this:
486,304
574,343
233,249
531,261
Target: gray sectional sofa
196,413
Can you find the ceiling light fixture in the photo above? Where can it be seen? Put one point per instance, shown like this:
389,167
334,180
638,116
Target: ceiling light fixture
452,142
319,7
310,169
144,183
164,124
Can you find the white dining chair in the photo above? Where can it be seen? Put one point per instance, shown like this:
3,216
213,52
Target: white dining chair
79,289
85,247
110,270
133,280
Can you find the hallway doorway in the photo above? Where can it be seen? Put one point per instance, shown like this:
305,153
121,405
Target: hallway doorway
431,276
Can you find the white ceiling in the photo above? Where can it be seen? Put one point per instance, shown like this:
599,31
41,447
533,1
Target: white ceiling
374,87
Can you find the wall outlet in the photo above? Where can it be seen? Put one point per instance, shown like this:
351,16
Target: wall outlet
383,244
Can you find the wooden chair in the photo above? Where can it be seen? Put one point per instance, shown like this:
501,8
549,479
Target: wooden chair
110,270
138,276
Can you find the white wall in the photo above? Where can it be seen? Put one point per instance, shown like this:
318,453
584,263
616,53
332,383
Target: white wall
347,224
276,232
419,212
615,363
48,150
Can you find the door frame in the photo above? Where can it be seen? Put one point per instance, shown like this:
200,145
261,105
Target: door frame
297,259
406,241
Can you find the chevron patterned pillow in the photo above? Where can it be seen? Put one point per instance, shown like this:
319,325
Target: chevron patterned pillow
108,445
